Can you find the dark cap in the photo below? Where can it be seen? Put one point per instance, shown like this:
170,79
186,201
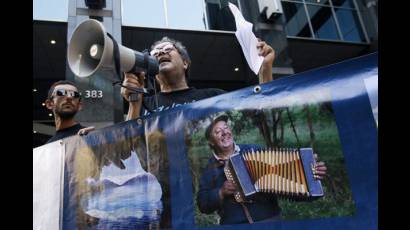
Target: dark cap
211,126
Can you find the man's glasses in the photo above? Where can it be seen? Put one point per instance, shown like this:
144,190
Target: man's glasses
165,49
63,92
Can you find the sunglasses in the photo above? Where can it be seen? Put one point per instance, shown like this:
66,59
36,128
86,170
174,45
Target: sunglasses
165,49
63,92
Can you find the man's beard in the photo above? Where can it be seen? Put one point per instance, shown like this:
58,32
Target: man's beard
65,115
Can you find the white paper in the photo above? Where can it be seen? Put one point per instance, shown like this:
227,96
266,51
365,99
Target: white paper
47,186
247,40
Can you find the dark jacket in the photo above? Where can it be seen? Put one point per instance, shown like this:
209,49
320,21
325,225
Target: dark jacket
263,206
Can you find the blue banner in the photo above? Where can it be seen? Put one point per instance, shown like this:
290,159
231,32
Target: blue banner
161,171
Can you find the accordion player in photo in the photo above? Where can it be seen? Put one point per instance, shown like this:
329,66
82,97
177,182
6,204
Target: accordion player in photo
288,173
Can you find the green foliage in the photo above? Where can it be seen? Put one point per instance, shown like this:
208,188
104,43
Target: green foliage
338,198
202,219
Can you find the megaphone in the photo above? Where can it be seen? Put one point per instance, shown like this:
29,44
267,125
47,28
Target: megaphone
91,49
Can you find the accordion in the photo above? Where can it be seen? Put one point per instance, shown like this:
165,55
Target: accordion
288,173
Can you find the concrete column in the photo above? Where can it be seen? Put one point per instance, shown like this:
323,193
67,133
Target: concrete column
102,103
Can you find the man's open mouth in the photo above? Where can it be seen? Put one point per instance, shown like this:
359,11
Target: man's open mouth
68,105
164,60
226,139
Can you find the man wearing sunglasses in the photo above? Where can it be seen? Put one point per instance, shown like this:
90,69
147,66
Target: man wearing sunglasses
174,65
64,101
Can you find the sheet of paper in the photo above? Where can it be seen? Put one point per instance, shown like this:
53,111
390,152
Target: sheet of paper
247,40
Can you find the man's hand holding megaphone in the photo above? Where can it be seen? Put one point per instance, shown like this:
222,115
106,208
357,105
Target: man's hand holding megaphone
134,99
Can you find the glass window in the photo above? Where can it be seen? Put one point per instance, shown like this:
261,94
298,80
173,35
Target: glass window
50,10
323,23
143,13
186,14
296,19
220,16
323,2
349,25
343,3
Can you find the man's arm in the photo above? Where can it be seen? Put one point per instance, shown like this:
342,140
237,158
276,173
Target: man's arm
208,196
268,54
133,81
134,109
85,131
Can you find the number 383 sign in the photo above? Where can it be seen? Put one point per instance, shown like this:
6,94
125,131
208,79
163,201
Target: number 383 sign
93,94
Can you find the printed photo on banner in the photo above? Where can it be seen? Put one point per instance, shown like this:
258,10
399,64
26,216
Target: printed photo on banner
372,88
121,184
258,165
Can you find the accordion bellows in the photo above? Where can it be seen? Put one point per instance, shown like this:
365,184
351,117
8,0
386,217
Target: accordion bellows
285,172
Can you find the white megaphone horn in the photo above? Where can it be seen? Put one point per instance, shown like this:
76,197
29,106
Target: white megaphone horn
91,50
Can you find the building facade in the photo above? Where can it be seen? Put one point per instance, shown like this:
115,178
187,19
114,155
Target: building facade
305,34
